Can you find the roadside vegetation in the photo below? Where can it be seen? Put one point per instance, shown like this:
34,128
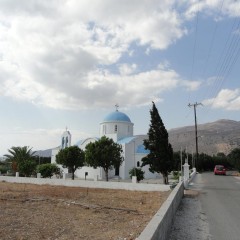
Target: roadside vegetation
207,162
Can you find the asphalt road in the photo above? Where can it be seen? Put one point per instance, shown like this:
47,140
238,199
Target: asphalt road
209,210
220,200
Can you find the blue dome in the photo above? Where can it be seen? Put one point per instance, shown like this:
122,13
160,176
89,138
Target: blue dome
117,116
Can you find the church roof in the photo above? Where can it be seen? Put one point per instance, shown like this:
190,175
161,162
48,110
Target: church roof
117,117
141,149
125,140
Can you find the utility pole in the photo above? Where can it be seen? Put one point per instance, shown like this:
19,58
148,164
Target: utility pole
196,137
181,164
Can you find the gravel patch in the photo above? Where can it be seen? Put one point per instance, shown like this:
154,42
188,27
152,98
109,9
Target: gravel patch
190,221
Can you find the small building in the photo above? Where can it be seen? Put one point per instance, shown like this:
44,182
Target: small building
118,126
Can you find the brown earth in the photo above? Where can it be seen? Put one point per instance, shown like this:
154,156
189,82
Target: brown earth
30,211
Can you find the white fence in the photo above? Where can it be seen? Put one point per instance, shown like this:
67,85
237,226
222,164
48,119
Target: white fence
88,184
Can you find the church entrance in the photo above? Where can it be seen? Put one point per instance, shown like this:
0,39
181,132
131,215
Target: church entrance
117,171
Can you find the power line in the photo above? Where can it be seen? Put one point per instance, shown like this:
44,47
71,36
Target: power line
211,44
194,46
227,60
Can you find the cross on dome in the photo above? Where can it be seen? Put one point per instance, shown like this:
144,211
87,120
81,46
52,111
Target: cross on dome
117,106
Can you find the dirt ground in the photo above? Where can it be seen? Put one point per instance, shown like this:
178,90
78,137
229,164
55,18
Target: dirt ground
53,212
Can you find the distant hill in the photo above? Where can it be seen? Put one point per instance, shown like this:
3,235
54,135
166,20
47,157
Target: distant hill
220,136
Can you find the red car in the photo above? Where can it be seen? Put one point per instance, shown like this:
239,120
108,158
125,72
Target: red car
219,170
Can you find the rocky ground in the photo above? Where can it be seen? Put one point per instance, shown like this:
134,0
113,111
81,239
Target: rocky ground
52,212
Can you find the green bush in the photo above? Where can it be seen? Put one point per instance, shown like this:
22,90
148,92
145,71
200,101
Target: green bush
137,172
27,167
47,170
176,175
3,169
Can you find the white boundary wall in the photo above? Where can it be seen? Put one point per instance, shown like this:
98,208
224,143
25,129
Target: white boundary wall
158,228
88,184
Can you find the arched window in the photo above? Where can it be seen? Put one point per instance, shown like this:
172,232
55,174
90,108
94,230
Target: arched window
115,129
138,164
66,141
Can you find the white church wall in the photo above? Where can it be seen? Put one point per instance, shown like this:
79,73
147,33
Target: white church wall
129,159
111,173
85,142
124,129
90,172
112,136
140,156
147,174
116,130
53,156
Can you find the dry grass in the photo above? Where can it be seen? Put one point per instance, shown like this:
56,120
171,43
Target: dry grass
53,212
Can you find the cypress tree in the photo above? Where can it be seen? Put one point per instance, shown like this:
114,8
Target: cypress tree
160,158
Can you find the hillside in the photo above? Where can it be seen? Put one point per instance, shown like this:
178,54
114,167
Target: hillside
220,136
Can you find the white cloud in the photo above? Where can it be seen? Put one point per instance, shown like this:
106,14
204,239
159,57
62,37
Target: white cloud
60,53
190,85
126,69
226,99
57,55
229,8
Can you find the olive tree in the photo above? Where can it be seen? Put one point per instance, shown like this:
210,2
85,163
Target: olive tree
104,153
72,158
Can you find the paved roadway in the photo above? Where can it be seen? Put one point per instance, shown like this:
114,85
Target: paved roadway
210,209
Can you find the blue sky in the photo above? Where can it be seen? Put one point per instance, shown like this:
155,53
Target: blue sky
67,63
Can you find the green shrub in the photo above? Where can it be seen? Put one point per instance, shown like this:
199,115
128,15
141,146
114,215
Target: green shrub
176,175
137,172
47,170
3,169
27,167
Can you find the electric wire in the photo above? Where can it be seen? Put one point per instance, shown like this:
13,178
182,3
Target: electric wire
227,60
194,47
209,52
194,56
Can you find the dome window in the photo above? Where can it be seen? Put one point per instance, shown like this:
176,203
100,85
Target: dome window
115,128
104,129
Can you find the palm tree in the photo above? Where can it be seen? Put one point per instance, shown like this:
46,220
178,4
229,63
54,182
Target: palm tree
22,159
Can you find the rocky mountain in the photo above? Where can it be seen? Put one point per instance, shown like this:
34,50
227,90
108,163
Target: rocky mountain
220,136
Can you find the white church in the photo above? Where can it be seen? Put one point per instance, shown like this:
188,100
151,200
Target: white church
118,126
